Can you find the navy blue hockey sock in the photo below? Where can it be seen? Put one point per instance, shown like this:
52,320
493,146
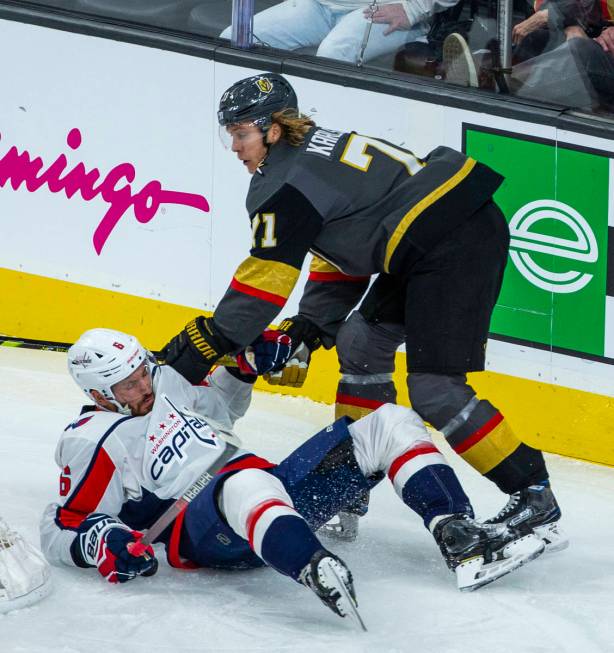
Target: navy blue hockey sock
435,490
288,545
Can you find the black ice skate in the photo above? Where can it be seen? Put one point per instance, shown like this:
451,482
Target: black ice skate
534,509
328,577
480,553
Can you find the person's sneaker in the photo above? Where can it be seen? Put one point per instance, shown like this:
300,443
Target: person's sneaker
328,577
534,510
480,553
458,63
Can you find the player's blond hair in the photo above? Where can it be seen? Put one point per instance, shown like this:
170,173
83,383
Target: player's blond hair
294,125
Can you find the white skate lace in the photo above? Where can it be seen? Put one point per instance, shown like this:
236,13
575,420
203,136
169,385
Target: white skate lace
509,507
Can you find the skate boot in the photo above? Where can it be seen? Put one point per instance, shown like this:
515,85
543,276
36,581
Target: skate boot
480,553
327,576
534,509
344,525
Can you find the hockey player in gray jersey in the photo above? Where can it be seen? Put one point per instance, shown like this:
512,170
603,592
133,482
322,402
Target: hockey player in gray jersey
361,205
151,434
431,232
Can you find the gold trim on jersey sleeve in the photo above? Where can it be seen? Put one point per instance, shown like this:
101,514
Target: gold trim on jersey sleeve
320,265
269,276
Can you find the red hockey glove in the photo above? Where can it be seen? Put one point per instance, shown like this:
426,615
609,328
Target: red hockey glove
114,549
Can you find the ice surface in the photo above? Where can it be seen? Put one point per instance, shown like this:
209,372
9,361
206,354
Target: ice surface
561,602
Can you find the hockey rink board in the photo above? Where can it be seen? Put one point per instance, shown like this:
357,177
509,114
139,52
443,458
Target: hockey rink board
120,207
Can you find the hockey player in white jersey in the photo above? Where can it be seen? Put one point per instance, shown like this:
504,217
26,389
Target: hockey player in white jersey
124,460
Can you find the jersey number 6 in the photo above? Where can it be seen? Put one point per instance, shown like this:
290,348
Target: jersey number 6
65,485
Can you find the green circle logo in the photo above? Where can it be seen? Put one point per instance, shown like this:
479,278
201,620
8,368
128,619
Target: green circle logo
533,228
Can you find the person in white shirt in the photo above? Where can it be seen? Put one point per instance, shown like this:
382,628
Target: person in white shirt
339,28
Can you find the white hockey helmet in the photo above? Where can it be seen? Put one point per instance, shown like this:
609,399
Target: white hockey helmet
103,357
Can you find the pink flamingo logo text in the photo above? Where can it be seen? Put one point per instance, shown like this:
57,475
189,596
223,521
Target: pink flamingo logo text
19,168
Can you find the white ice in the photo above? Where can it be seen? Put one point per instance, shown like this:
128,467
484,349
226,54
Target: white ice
561,602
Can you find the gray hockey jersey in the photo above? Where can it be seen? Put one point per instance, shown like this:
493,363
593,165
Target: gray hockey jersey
361,205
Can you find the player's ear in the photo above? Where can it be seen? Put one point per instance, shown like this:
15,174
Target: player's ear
102,402
273,134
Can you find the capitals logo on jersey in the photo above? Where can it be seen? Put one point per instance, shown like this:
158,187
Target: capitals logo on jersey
172,435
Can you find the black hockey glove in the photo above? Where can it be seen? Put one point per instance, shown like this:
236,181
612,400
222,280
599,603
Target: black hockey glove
113,548
305,337
195,350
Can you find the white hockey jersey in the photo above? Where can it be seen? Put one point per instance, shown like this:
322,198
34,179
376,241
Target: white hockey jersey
122,465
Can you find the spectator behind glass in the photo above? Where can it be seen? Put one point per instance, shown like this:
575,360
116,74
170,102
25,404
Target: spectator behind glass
564,54
338,27
546,28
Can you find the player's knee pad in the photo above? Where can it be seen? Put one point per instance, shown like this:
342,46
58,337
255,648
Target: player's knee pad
365,347
438,398
384,435
248,490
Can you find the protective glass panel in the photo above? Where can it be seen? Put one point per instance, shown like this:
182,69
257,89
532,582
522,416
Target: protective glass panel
560,53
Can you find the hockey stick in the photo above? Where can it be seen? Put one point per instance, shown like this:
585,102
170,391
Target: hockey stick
233,444
191,493
26,343
49,345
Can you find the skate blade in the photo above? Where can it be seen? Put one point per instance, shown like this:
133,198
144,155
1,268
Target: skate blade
473,573
345,603
337,532
553,536
340,528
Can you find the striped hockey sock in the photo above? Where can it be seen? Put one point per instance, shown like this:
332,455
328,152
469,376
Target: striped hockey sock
481,435
358,396
281,537
427,484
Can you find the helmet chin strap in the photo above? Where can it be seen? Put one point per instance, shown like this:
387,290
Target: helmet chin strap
264,158
124,410
265,130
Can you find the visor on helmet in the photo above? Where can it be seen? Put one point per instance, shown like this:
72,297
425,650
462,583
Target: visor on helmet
243,133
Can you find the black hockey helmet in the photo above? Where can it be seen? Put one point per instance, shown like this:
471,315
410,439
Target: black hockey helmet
255,99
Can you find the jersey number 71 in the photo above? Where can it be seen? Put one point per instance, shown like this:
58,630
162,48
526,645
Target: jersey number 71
355,154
